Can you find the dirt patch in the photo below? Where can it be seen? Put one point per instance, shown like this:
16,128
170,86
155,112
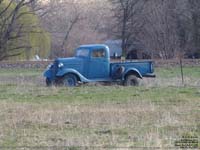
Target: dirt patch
23,80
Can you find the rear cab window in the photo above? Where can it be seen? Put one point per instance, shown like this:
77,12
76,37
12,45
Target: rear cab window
98,53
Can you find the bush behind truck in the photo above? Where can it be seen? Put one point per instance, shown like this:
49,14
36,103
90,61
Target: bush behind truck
91,63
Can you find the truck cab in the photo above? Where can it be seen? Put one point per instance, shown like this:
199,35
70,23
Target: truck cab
96,60
91,63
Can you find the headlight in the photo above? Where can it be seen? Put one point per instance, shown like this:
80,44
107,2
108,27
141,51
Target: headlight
60,65
49,66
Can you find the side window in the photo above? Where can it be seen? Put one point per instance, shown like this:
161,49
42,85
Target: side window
99,53
82,53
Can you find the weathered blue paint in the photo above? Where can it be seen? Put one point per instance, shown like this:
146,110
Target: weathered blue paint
49,73
88,66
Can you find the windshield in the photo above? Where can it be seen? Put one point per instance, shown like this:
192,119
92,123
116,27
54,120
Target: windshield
82,53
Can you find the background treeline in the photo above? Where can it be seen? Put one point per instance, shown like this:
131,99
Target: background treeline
163,28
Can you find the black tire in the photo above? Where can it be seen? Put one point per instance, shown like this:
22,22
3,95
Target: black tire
48,82
131,80
70,80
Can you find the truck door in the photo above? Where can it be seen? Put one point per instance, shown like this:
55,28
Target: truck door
99,64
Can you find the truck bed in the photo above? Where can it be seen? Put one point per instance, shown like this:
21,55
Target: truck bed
145,67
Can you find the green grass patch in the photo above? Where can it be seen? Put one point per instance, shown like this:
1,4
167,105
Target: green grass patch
99,94
193,72
32,114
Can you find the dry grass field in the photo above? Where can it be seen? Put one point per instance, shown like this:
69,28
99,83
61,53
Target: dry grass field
155,115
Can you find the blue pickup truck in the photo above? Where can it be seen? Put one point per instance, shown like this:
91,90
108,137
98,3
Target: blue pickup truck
91,63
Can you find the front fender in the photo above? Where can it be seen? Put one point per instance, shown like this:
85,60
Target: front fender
73,71
132,71
48,74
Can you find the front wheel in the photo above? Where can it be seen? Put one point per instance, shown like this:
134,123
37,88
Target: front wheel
131,80
70,80
48,82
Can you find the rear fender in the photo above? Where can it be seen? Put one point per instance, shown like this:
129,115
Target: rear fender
132,71
80,77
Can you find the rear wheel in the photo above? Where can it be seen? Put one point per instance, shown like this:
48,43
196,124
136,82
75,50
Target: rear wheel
70,80
131,80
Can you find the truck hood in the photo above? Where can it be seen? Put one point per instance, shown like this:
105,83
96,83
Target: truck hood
73,62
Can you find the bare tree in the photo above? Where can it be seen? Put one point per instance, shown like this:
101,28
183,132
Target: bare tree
59,19
160,28
12,29
127,13
166,28
72,23
193,7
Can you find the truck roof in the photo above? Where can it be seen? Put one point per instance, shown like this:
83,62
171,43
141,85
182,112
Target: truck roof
93,46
